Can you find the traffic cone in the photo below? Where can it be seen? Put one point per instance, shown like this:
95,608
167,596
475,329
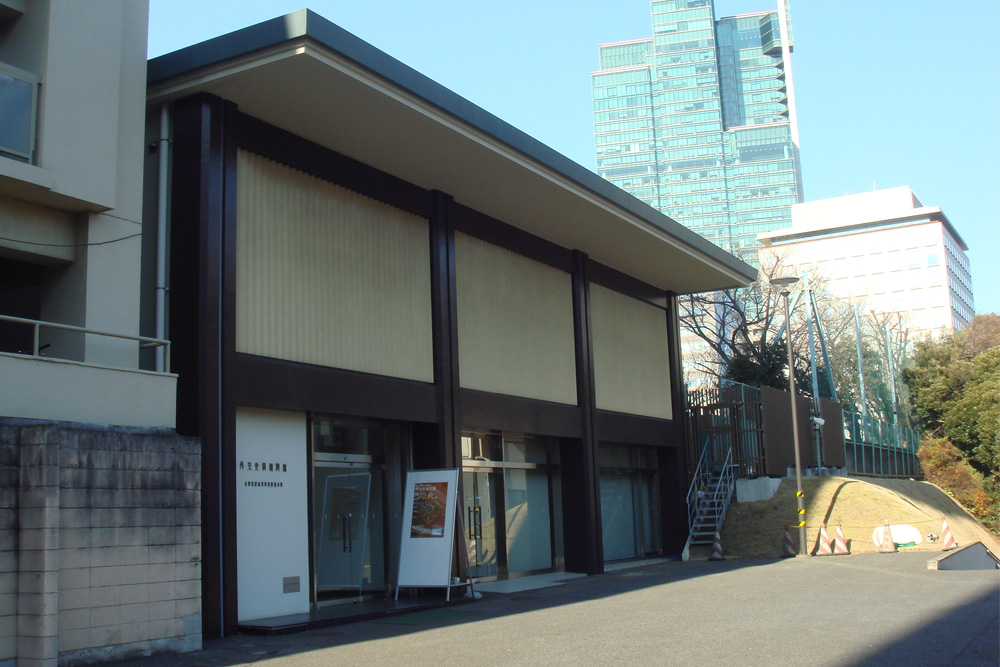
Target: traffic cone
788,550
888,546
717,548
839,543
823,547
946,537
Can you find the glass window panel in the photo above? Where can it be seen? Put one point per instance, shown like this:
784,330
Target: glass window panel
16,102
481,446
333,435
529,531
525,450
617,516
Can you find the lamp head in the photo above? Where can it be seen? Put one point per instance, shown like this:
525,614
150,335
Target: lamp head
784,282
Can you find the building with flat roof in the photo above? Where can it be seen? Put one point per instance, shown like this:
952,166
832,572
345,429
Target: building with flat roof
886,250
371,276
699,120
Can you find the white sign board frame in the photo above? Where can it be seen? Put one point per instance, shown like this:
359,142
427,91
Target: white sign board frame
427,541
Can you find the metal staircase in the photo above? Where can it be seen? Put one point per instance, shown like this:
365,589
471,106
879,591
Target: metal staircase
708,497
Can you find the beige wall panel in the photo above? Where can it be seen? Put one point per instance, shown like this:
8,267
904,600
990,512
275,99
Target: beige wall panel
330,277
631,355
515,324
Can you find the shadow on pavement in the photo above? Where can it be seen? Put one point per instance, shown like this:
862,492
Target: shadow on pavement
973,627
246,649
868,609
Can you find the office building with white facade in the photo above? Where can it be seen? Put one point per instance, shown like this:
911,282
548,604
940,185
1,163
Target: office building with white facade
885,249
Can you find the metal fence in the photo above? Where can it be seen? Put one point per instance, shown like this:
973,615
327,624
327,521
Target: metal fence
724,419
875,447
731,417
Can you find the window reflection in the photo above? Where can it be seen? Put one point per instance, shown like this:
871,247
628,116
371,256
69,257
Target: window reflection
518,475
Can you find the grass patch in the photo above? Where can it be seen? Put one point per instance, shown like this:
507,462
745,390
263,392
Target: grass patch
757,529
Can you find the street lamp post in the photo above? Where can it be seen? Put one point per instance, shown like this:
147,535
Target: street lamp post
783,283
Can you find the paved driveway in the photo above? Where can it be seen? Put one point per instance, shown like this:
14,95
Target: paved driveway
873,609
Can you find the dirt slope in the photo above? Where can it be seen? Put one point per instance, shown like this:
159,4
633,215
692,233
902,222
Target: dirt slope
757,529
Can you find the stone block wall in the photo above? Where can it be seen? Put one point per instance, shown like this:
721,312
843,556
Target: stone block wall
100,531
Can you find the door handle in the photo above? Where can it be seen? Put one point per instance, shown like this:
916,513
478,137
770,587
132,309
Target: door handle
343,533
472,529
350,534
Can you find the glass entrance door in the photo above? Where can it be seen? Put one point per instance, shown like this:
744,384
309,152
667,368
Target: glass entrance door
512,504
357,492
347,531
480,511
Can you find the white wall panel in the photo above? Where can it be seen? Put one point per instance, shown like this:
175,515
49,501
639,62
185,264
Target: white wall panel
328,276
515,324
272,506
631,354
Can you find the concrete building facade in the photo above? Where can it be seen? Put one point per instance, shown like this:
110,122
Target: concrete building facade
71,211
371,276
99,498
884,249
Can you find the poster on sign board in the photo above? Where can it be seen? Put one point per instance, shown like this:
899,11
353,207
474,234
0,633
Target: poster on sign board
428,531
430,499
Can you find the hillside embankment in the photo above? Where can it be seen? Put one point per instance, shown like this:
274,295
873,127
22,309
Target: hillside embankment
859,505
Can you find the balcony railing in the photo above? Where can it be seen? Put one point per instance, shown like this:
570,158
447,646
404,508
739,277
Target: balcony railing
38,325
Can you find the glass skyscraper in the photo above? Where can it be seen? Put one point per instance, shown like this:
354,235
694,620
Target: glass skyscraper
699,120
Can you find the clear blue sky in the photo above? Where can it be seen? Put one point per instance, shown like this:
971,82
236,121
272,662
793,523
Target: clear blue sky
895,92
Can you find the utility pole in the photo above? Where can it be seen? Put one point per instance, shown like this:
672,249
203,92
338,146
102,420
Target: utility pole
783,283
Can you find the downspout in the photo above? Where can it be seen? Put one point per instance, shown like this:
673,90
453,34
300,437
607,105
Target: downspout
163,150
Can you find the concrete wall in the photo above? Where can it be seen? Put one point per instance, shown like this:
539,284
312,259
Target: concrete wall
753,490
99,543
91,59
69,391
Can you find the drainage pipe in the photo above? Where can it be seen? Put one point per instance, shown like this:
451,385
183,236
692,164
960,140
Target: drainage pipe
163,149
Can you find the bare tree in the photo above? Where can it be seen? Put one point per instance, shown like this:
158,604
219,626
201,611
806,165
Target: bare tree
737,329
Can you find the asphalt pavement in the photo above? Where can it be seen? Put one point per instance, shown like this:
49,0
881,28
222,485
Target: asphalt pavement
865,609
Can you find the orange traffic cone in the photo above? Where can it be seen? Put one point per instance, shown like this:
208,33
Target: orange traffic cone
823,547
839,543
946,537
717,548
888,546
788,550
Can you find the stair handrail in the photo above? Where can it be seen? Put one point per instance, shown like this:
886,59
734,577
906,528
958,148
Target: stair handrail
724,489
693,488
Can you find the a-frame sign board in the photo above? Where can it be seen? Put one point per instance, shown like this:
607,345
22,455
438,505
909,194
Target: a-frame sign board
430,511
